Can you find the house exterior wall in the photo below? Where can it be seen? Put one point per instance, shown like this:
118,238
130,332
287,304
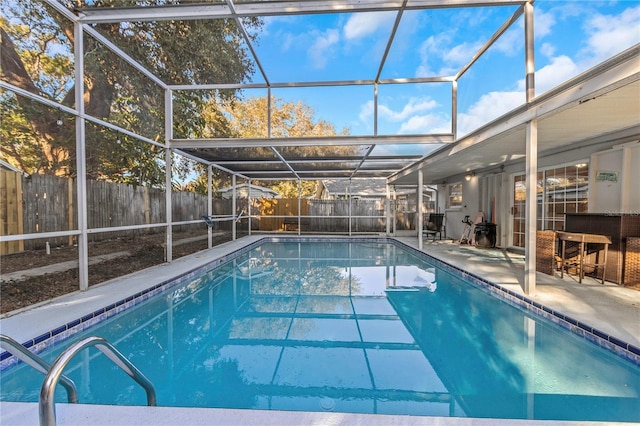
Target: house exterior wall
491,191
623,194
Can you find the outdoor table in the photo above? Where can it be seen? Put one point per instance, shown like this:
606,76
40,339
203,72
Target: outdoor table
583,240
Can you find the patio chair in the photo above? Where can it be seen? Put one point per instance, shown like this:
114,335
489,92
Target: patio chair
435,225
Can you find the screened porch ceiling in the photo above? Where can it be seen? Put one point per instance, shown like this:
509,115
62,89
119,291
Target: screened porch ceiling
565,119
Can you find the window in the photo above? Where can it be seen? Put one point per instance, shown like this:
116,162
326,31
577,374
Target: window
454,191
560,190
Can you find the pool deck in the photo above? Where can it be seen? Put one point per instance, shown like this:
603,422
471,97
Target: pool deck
610,308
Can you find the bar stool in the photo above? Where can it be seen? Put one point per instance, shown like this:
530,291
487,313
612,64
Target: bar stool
564,262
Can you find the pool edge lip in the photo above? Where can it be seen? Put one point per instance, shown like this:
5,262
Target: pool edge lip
604,340
27,413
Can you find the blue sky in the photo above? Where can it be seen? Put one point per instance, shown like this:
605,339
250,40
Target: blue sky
570,37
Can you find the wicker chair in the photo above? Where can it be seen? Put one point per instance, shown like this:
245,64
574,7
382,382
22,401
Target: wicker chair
545,251
632,263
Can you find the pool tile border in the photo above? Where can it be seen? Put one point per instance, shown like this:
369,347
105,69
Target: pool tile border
604,340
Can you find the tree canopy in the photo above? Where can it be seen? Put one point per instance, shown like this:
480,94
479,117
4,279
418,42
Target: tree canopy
249,119
36,56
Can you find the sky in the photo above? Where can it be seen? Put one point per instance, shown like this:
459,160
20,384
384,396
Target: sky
570,37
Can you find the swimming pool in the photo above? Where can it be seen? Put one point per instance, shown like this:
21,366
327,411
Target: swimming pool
354,327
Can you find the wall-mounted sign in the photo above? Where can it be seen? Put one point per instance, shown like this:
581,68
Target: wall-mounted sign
606,176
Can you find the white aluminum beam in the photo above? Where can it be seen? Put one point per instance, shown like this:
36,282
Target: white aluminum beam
504,27
531,161
119,52
396,24
247,40
298,84
444,138
71,111
291,169
168,165
208,163
62,10
403,159
81,159
210,204
419,208
266,8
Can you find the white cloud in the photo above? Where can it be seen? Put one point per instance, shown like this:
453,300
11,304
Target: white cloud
436,48
487,108
362,24
543,23
366,111
429,123
412,117
510,42
609,35
561,69
548,50
321,48
414,106
462,53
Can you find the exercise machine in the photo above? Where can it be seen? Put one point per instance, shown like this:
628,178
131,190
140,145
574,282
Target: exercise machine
467,232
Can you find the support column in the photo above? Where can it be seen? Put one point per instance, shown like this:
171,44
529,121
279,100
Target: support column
393,210
454,109
387,210
419,208
530,208
299,205
234,206
209,204
349,198
168,135
249,207
81,160
531,153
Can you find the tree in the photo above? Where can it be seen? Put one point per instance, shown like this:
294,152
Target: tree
36,56
249,119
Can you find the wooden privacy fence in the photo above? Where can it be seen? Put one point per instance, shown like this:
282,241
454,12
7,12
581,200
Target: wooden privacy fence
319,215
45,203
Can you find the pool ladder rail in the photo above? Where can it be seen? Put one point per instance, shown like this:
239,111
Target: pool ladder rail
29,358
53,372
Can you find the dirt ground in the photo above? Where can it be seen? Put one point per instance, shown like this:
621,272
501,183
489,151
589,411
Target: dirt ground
143,251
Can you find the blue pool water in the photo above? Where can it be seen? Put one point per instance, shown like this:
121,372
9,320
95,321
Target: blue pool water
348,327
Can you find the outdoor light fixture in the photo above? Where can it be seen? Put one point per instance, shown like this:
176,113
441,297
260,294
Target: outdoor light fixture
118,141
59,121
581,165
468,176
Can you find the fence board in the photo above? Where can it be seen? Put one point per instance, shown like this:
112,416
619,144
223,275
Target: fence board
45,203
11,210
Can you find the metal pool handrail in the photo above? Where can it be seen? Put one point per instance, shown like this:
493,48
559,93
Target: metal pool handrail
23,354
47,410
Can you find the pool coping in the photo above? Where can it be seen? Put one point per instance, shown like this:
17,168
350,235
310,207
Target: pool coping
61,332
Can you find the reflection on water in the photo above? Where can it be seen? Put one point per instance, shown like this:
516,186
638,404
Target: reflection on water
349,327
